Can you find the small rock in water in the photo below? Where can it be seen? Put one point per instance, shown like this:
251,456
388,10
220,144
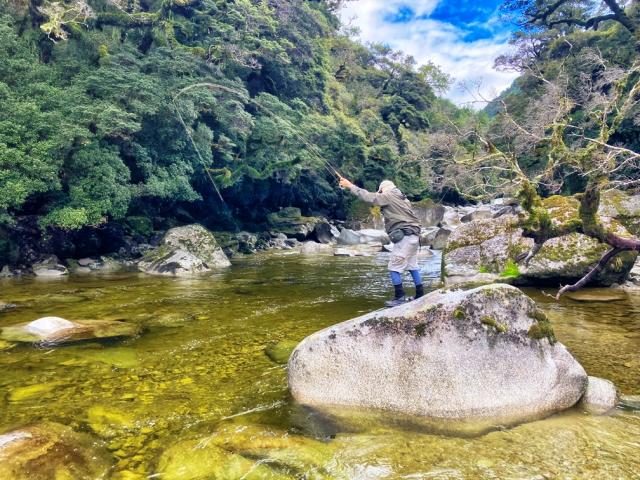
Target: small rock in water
598,295
109,422
55,330
6,306
24,393
118,357
600,397
631,402
281,351
48,325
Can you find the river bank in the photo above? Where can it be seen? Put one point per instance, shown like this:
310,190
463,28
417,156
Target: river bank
214,330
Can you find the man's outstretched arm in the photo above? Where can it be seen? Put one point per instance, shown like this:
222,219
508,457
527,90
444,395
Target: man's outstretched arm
364,195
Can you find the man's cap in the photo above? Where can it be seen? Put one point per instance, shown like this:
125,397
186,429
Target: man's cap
386,185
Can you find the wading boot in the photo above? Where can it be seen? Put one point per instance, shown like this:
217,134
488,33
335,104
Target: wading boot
399,297
419,291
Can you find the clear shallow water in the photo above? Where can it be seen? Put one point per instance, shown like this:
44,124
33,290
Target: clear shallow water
201,362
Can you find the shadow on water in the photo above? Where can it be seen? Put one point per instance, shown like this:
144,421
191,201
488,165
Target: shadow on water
199,366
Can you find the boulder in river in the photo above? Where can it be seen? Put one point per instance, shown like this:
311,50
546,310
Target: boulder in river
437,238
187,250
348,237
49,267
51,451
314,248
429,212
493,246
600,397
324,232
455,360
55,330
292,223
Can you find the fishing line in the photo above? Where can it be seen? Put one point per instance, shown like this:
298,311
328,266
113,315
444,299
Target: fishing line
313,149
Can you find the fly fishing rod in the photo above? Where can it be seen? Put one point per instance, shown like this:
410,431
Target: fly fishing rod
216,86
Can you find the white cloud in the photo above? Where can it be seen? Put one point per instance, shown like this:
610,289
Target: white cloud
469,62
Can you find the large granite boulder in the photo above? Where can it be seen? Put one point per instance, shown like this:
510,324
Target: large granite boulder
367,236
371,236
461,361
187,250
55,330
451,218
490,249
348,237
429,212
51,451
324,232
290,221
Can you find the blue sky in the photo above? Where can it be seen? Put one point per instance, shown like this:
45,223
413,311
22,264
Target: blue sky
462,37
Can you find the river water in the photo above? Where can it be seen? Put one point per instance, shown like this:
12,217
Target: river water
200,364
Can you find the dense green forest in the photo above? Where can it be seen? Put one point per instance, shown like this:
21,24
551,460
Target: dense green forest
94,96
223,111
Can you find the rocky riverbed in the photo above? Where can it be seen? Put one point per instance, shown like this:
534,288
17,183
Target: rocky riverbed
201,372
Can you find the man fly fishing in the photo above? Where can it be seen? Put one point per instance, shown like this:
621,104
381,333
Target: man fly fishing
403,228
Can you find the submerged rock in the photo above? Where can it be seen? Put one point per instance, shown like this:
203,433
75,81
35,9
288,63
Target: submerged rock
598,295
600,397
240,451
455,360
51,451
185,251
6,306
281,351
631,402
200,460
55,330
108,422
38,390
